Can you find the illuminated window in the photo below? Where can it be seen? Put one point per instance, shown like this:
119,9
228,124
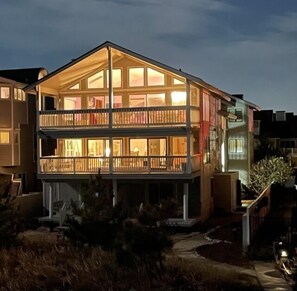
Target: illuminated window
138,147
95,102
156,99
178,98
19,94
137,100
4,137
177,82
116,78
205,106
136,77
238,112
71,103
100,147
73,147
235,145
75,87
179,146
4,93
96,80
155,78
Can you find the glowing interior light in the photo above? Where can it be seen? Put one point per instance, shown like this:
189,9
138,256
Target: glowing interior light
284,253
178,98
107,152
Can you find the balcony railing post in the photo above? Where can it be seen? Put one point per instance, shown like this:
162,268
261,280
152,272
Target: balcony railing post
148,164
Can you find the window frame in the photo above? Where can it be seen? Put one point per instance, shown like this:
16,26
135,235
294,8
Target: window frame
237,147
9,137
143,78
9,92
147,78
234,111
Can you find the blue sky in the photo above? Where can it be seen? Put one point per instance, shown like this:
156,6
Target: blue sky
239,46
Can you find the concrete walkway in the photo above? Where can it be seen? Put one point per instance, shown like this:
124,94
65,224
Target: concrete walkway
269,278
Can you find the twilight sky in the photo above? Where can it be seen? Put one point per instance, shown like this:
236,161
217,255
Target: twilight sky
239,46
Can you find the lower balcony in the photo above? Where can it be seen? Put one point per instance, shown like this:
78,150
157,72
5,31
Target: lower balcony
118,165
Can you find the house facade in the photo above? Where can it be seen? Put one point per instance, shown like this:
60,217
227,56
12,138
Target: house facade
240,138
279,130
17,125
153,131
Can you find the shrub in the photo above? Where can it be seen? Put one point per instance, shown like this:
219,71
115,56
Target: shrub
9,223
268,171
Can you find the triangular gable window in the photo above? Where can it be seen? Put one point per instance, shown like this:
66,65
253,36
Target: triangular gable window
177,82
155,78
96,81
75,87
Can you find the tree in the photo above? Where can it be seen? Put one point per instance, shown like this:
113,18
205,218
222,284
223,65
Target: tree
267,171
98,223
265,149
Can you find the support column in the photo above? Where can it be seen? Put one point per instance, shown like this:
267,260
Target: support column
114,192
50,201
146,193
186,201
188,127
245,231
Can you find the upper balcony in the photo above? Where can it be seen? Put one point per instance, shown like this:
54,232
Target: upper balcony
120,165
120,117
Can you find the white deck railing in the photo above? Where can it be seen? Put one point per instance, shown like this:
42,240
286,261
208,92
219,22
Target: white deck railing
121,117
126,164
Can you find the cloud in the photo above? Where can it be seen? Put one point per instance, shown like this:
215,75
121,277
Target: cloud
227,43
131,2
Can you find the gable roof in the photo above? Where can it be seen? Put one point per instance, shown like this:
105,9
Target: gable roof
25,76
239,97
88,58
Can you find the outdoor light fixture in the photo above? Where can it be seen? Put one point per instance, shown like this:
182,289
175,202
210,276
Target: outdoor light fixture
284,254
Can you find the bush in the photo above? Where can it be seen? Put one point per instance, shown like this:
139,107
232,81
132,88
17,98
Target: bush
9,223
136,243
268,171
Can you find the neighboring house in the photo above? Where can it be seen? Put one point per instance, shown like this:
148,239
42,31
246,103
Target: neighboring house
279,129
154,131
240,144
17,125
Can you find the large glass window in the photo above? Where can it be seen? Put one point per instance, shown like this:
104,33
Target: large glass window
73,147
136,77
96,81
179,146
95,102
100,147
235,145
139,146
156,99
4,93
137,100
178,98
72,103
4,137
116,78
155,78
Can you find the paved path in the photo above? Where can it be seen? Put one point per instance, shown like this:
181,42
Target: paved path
270,279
